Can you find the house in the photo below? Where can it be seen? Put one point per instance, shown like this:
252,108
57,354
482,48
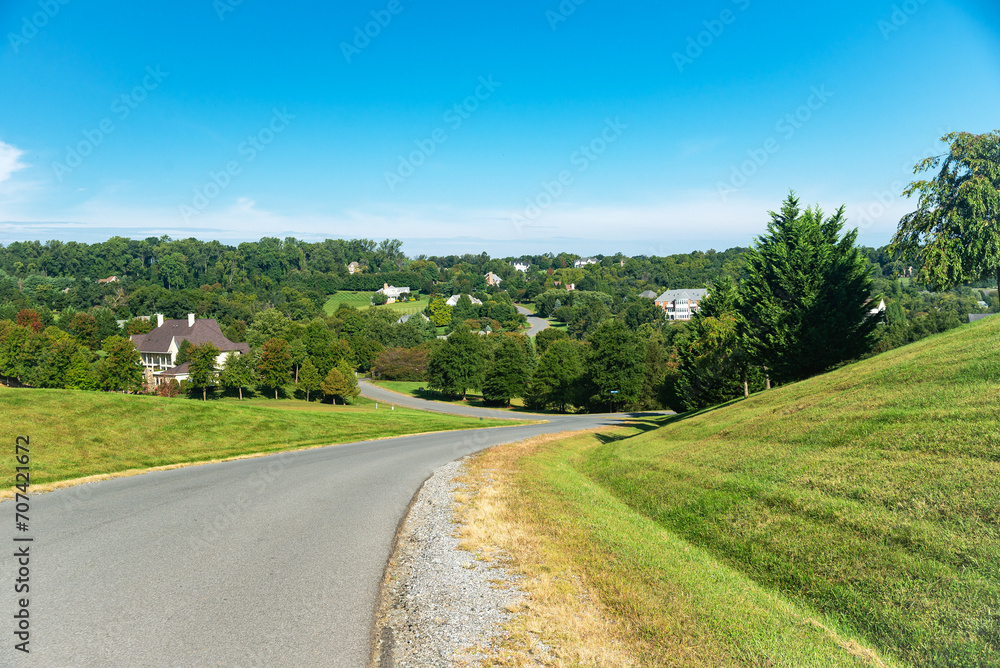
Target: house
583,262
647,294
569,286
109,279
393,293
492,279
354,268
158,349
406,318
522,267
878,309
454,300
680,304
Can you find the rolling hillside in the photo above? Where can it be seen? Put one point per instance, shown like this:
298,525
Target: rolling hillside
865,501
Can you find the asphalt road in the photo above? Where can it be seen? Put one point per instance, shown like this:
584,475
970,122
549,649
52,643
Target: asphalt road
383,395
537,324
272,561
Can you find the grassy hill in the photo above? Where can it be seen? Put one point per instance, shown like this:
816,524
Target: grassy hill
77,434
865,502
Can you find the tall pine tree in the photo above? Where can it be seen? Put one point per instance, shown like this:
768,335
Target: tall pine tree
804,297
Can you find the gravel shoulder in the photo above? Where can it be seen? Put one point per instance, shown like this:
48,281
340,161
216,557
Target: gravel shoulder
439,603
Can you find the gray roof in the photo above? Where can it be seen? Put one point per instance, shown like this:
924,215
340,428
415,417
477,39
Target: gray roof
648,294
203,331
406,317
674,295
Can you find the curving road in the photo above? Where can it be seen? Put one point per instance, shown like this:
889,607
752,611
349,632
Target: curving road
537,324
261,562
383,395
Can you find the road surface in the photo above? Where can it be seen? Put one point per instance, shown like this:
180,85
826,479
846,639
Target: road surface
381,394
537,324
271,561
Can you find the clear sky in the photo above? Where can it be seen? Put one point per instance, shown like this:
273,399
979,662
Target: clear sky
516,127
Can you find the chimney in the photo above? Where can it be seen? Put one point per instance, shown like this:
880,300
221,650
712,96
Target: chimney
159,320
190,319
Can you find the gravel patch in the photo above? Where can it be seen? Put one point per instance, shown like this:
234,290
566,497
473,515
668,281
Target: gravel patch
438,602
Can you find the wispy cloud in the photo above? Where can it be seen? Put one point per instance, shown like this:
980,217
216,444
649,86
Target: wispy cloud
10,160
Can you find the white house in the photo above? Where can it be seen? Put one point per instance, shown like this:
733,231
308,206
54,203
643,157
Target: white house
522,267
454,300
680,304
492,279
878,309
583,262
393,293
353,268
158,349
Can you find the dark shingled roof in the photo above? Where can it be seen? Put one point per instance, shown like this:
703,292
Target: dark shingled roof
203,331
179,370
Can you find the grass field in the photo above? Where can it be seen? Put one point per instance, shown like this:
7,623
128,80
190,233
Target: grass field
77,434
362,300
413,389
852,517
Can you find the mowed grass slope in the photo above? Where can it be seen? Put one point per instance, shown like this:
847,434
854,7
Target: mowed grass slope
870,495
77,434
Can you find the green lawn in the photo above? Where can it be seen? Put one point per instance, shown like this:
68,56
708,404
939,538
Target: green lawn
362,300
77,434
866,500
421,391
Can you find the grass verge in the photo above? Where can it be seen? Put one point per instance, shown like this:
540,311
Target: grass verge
863,504
607,586
80,434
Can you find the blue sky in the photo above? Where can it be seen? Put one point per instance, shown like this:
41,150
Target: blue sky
587,126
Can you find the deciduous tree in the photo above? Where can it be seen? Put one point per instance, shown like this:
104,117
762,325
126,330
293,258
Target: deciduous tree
954,235
275,364
202,369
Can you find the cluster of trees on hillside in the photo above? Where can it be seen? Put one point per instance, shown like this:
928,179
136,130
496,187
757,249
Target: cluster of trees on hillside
792,305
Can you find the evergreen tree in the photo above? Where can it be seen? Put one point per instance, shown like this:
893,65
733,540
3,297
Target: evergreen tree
507,375
309,379
341,382
201,368
804,296
275,364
